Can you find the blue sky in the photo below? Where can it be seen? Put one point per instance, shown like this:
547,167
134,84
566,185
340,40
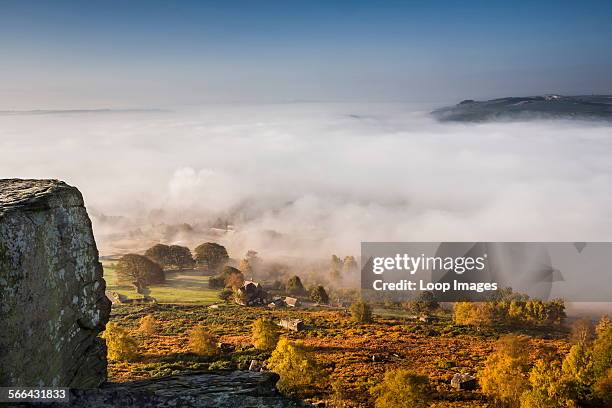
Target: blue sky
64,54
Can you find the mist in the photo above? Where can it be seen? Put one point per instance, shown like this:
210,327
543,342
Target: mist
306,180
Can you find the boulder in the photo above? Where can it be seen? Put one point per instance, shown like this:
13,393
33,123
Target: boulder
53,303
463,382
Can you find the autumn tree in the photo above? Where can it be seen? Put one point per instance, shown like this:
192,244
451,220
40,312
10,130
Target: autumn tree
473,314
229,277
295,287
138,268
548,388
297,369
402,388
335,268
349,266
582,332
119,344
250,264
319,295
265,334
424,304
504,377
202,342
361,312
211,255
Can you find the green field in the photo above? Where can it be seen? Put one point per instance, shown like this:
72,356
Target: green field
185,287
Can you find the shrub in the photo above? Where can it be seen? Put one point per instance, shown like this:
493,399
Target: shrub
294,286
148,325
138,268
226,294
211,255
297,370
402,388
504,377
265,334
319,295
202,342
120,346
361,312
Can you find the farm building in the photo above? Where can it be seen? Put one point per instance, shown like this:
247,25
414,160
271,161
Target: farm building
292,302
251,294
292,324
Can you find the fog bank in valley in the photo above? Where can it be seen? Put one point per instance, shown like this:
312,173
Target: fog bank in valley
307,180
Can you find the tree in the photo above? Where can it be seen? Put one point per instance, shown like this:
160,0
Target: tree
211,255
298,371
423,305
335,268
229,277
265,334
349,266
602,348
173,256
319,295
119,344
582,332
504,377
138,268
402,388
473,314
250,264
202,342
361,312
294,286
548,388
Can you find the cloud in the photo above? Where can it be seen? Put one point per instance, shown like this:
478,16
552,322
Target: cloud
308,180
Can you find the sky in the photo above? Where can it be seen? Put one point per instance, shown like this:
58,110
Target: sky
117,54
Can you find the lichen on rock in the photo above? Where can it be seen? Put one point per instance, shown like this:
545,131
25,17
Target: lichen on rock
52,302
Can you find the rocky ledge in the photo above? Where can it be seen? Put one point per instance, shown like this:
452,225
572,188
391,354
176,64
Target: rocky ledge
217,389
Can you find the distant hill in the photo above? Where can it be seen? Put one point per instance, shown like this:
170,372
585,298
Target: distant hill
588,107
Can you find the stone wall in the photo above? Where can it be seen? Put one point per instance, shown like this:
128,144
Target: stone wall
52,302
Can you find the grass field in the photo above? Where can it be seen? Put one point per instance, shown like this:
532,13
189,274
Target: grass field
185,287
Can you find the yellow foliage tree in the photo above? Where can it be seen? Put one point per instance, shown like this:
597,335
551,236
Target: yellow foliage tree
548,388
402,388
473,314
120,345
361,312
504,377
202,342
265,334
297,370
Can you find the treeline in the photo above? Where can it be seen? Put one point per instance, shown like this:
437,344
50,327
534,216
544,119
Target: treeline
510,309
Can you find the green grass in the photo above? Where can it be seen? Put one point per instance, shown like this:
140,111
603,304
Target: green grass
185,287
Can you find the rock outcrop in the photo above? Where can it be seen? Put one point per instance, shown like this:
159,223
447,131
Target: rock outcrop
52,301
219,389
